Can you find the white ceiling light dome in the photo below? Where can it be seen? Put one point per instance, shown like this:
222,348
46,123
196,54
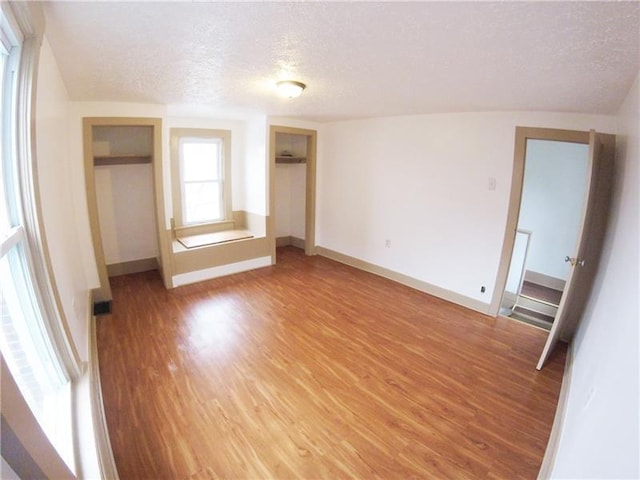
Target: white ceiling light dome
290,88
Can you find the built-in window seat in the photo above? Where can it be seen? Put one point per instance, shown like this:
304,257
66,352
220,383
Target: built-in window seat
205,239
201,252
211,234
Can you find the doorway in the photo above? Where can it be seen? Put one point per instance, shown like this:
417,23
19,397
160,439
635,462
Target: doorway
552,200
583,259
292,198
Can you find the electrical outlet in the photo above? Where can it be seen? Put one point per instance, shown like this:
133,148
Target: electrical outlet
387,243
482,289
491,183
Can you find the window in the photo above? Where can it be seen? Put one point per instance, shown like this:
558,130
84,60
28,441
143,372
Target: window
201,176
31,330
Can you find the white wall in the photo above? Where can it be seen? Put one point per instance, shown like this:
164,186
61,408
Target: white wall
600,436
255,167
55,178
290,199
127,212
58,182
282,207
422,183
555,180
298,192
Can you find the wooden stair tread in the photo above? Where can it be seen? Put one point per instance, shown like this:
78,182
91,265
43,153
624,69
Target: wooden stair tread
540,293
533,314
539,300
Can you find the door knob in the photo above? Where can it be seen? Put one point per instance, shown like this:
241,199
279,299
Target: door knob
574,261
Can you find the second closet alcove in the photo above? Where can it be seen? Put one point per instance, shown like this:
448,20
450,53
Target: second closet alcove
290,189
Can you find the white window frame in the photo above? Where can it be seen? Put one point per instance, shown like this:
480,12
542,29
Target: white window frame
178,137
20,143
32,277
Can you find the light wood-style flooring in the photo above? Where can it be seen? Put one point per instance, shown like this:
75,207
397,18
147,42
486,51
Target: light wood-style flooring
312,369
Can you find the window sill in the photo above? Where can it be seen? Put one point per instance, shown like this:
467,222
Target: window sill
203,228
191,242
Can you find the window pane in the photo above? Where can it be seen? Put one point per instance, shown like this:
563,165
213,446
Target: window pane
202,202
5,224
20,322
200,160
25,348
25,339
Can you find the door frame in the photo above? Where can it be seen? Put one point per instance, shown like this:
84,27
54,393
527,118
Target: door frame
522,135
590,241
102,294
310,190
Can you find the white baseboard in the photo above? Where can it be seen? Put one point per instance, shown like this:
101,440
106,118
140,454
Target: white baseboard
221,271
425,287
509,298
548,461
107,464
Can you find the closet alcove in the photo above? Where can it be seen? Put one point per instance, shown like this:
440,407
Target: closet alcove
121,174
292,186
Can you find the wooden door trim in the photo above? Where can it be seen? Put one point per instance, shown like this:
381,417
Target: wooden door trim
590,242
103,292
521,136
310,190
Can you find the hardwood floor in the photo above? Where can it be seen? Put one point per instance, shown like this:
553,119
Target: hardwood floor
312,369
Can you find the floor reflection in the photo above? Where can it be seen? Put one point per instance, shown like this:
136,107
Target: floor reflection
212,326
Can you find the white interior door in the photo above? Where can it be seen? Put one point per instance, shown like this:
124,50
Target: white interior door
584,260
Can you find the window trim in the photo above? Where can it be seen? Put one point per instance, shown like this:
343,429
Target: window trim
20,137
177,134
21,28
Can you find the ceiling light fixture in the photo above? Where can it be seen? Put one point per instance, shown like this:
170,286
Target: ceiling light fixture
290,88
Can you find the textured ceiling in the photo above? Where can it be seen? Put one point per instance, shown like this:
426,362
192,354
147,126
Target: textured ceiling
358,59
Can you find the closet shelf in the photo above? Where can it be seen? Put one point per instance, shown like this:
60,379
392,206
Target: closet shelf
286,159
101,160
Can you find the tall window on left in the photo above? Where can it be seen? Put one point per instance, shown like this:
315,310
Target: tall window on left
25,334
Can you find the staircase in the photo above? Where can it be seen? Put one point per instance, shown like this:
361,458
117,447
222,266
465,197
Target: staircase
537,304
